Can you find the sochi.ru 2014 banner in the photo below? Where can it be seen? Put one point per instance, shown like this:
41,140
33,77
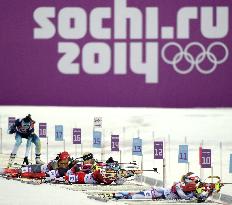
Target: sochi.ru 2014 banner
151,53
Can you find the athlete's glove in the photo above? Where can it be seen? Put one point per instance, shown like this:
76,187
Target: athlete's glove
12,131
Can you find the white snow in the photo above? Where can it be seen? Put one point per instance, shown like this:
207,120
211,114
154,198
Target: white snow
16,193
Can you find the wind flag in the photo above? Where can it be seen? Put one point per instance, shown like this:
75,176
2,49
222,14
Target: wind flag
115,143
137,147
97,122
76,136
59,133
183,154
42,130
206,158
158,150
97,136
11,121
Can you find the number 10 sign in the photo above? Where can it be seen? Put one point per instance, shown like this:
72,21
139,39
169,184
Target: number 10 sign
158,150
206,158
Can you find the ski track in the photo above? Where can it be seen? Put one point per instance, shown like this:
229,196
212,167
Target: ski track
59,194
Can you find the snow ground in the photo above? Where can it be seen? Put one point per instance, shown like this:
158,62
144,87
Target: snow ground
17,193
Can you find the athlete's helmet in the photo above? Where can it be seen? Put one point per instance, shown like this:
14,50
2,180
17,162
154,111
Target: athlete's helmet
194,178
87,156
190,177
25,124
63,159
64,155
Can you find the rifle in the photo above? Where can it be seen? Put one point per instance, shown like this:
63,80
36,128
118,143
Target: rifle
125,173
210,187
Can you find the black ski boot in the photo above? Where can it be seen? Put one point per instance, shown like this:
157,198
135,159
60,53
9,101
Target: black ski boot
25,160
11,160
38,160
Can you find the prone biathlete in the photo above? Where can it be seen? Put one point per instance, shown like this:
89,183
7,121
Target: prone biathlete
185,189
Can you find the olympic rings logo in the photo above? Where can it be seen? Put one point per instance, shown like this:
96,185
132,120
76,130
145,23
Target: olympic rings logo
194,61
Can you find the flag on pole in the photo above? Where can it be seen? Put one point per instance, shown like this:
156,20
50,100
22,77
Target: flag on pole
76,136
158,150
137,147
42,130
206,158
59,133
97,122
115,143
11,121
97,136
183,154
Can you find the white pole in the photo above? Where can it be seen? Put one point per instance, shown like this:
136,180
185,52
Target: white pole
120,156
31,152
103,144
47,149
169,154
164,166
201,170
81,145
212,174
164,172
221,160
64,144
153,138
75,150
187,165
123,141
142,169
81,148
1,140
142,162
